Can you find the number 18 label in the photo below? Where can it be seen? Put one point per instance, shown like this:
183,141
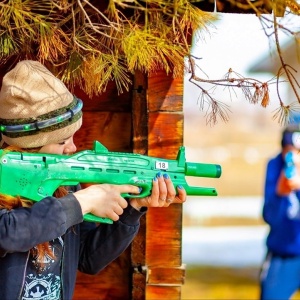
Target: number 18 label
162,165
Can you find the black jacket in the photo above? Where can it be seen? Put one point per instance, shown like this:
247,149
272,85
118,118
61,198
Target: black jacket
87,247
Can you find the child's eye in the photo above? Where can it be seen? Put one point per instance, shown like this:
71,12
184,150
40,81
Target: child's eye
62,143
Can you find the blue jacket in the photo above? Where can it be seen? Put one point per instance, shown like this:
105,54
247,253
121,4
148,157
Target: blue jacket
282,213
87,247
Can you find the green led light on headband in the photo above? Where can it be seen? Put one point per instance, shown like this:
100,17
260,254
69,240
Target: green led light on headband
69,114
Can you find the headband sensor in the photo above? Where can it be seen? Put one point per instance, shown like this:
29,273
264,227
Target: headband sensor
70,115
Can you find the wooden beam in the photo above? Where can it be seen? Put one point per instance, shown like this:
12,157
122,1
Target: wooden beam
165,273
232,6
140,145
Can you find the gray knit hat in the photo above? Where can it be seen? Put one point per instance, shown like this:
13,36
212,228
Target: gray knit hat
36,108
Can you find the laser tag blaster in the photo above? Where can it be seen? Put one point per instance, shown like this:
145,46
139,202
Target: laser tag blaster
289,165
35,176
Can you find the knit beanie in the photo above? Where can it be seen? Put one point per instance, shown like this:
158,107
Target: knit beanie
36,108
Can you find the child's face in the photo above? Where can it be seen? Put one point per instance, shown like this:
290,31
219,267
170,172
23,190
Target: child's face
65,147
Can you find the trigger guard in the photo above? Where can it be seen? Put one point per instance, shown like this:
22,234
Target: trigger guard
146,191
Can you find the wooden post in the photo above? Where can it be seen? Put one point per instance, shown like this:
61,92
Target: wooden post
140,145
165,273
158,131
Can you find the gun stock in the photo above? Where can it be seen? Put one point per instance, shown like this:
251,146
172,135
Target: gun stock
37,175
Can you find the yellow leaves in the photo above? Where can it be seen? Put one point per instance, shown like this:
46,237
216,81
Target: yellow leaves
104,68
261,93
285,113
293,5
279,7
20,26
7,45
196,19
71,70
146,52
93,73
88,42
53,44
18,16
266,96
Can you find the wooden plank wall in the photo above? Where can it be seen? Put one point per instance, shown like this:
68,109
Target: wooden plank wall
164,225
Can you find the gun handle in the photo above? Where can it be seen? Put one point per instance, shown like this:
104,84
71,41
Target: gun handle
145,192
93,218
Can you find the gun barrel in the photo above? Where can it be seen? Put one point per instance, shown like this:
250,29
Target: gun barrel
203,170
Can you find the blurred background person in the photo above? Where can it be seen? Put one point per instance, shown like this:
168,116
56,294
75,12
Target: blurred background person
280,273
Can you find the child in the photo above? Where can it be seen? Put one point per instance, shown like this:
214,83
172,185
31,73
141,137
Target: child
43,244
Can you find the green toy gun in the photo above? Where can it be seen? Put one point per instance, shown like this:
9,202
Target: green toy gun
35,176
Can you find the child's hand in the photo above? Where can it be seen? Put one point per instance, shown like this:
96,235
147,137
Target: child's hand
163,194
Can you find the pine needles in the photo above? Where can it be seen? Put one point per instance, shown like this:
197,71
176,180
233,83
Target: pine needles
100,40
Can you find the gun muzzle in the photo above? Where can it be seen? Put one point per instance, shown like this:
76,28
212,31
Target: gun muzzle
203,170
